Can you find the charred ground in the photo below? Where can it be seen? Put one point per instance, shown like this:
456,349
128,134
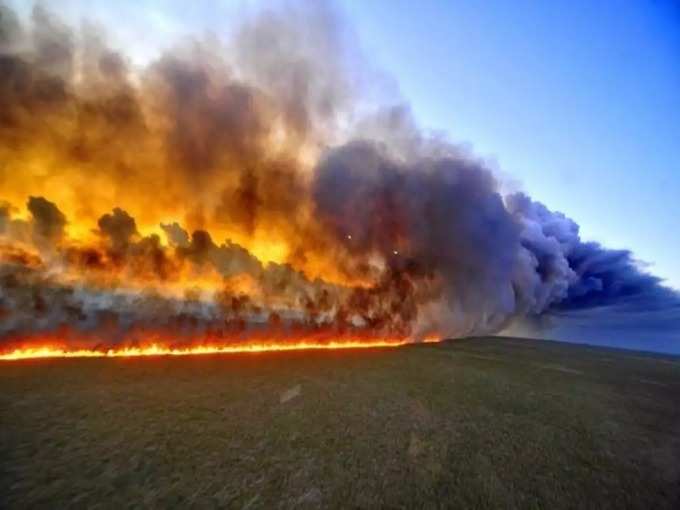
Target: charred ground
477,423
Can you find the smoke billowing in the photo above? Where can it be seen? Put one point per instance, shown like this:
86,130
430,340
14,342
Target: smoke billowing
239,190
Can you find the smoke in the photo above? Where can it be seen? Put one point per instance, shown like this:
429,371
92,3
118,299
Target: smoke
48,220
437,220
239,189
588,293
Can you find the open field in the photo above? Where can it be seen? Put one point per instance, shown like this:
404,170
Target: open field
484,423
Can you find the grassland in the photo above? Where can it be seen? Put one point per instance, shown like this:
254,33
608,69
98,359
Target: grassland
482,423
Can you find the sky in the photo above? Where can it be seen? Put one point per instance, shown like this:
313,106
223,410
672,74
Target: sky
574,102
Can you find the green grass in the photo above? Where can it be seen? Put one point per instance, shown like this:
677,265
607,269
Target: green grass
482,423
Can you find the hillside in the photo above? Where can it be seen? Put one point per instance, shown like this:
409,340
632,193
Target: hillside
484,423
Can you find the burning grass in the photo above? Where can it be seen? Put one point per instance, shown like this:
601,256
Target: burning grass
50,351
484,423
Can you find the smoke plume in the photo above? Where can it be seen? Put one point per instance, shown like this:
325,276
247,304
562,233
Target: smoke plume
238,190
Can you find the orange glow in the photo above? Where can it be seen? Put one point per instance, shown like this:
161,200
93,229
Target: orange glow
160,350
181,208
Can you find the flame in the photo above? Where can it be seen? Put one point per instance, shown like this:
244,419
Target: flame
51,351
183,198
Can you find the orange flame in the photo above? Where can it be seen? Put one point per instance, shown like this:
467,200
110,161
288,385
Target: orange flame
160,350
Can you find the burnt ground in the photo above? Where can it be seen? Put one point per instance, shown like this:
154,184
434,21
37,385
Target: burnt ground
480,423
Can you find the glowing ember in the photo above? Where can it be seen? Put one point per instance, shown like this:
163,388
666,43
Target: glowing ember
160,350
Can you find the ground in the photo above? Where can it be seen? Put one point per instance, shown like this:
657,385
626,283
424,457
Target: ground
479,423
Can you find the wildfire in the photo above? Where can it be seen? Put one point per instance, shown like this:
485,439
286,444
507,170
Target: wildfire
194,198
49,351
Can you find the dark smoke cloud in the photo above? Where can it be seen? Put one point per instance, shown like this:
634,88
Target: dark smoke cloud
438,220
119,227
48,220
390,231
612,277
575,274
599,295
176,235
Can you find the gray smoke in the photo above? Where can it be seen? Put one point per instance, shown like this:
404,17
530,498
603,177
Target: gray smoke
491,260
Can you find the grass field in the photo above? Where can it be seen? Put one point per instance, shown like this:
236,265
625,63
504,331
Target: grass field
481,423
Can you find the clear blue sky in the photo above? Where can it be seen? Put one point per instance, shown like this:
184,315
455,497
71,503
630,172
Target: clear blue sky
579,101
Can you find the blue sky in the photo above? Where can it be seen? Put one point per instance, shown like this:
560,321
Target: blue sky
577,102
